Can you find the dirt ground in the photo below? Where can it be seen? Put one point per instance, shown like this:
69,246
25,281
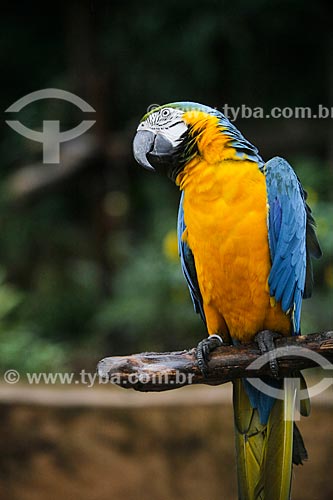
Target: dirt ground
116,444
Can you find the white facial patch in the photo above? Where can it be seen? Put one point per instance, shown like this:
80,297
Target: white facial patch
166,121
174,133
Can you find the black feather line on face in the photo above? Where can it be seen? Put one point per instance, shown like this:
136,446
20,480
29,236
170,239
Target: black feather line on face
183,153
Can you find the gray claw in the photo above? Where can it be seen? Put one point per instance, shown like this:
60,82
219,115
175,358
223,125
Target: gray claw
265,340
204,348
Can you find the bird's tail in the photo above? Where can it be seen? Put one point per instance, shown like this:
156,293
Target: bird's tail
265,451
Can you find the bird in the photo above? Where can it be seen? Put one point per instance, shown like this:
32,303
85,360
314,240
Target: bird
246,237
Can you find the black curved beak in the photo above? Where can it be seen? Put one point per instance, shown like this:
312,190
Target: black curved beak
152,150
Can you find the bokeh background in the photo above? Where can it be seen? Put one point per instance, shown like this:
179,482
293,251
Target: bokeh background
88,254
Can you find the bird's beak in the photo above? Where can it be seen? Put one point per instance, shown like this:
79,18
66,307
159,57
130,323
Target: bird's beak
142,145
152,150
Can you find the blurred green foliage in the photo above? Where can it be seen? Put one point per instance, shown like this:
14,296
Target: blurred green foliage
21,346
88,264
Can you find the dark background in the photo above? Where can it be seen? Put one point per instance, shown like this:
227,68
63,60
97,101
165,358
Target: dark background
88,263
88,253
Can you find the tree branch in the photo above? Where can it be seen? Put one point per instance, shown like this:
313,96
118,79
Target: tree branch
151,371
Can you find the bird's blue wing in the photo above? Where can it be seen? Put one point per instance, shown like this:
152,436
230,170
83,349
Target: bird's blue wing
188,264
292,238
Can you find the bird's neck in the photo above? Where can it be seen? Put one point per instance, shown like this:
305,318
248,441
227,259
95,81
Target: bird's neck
217,178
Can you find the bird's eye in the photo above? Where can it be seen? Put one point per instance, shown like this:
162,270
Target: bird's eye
165,113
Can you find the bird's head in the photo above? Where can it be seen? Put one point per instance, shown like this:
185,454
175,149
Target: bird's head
170,136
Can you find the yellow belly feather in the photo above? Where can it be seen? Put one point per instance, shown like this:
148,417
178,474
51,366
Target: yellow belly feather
225,210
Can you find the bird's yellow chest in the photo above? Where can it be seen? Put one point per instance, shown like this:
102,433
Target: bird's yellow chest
225,211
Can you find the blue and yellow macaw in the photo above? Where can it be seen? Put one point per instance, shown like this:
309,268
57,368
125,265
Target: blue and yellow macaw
246,237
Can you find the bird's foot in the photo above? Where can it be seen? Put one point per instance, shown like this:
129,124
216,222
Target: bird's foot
204,348
265,340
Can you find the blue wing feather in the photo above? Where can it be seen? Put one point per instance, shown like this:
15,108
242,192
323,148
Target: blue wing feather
188,264
292,242
287,222
287,228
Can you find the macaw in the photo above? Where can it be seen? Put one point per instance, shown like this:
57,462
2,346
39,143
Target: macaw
246,237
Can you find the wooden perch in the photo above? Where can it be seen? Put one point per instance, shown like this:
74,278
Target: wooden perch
151,371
